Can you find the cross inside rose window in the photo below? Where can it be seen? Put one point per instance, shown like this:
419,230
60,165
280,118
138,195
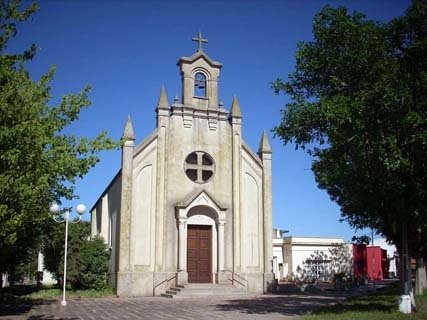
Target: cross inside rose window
199,166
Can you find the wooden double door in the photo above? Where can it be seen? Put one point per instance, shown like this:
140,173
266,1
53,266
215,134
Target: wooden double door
199,253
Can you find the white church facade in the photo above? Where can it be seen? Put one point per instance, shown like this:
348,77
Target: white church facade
192,202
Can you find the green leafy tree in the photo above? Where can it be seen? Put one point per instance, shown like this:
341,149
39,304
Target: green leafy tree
87,263
78,234
365,239
359,107
25,269
54,251
39,163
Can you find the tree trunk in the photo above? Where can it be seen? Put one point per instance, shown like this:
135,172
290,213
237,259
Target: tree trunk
420,279
405,275
406,293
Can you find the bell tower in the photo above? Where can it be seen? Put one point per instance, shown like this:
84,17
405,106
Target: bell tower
199,75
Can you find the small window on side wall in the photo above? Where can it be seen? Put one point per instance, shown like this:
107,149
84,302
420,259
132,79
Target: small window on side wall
200,85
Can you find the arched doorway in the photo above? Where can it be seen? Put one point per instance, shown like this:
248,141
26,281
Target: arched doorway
201,244
200,224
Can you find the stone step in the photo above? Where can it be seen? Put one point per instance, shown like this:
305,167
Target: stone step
205,285
202,289
171,292
212,289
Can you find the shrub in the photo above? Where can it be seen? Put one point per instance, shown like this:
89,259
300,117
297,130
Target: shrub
94,258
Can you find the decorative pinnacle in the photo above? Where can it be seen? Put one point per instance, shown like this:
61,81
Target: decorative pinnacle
200,40
264,145
163,100
128,134
235,108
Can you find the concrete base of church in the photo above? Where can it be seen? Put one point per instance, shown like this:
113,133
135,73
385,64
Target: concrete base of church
134,284
250,281
255,281
144,284
155,283
181,278
221,278
269,282
124,283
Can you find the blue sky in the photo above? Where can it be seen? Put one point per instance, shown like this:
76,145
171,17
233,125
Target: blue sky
126,50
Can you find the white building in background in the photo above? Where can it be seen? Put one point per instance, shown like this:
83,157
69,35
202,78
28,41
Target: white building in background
291,252
278,253
4,281
47,276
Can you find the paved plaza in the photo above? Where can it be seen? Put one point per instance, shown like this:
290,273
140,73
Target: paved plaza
244,307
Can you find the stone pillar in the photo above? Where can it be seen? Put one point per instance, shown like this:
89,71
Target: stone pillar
221,245
93,227
124,278
187,90
268,225
181,244
105,221
236,123
182,274
264,153
221,275
163,110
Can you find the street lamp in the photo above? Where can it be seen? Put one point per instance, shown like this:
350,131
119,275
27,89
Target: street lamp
61,216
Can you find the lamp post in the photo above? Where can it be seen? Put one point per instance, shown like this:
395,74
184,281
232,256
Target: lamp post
61,216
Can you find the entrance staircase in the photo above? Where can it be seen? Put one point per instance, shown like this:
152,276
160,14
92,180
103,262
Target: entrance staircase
193,290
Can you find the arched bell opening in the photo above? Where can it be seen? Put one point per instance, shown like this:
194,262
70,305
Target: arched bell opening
200,85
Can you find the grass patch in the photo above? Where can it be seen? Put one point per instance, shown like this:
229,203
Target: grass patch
46,293
29,293
378,306
16,294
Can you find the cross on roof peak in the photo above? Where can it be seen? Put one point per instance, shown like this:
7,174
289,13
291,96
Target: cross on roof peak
200,40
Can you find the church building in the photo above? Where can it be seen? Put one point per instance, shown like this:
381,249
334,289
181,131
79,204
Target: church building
192,202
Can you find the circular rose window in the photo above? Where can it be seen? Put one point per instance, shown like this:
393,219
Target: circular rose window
199,166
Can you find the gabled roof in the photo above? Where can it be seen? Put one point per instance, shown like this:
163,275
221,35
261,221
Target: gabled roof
199,55
199,194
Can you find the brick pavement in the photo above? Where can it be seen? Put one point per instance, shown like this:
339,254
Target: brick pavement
270,307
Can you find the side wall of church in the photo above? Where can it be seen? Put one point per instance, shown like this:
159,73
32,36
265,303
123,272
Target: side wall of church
143,219
104,222
143,208
114,204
